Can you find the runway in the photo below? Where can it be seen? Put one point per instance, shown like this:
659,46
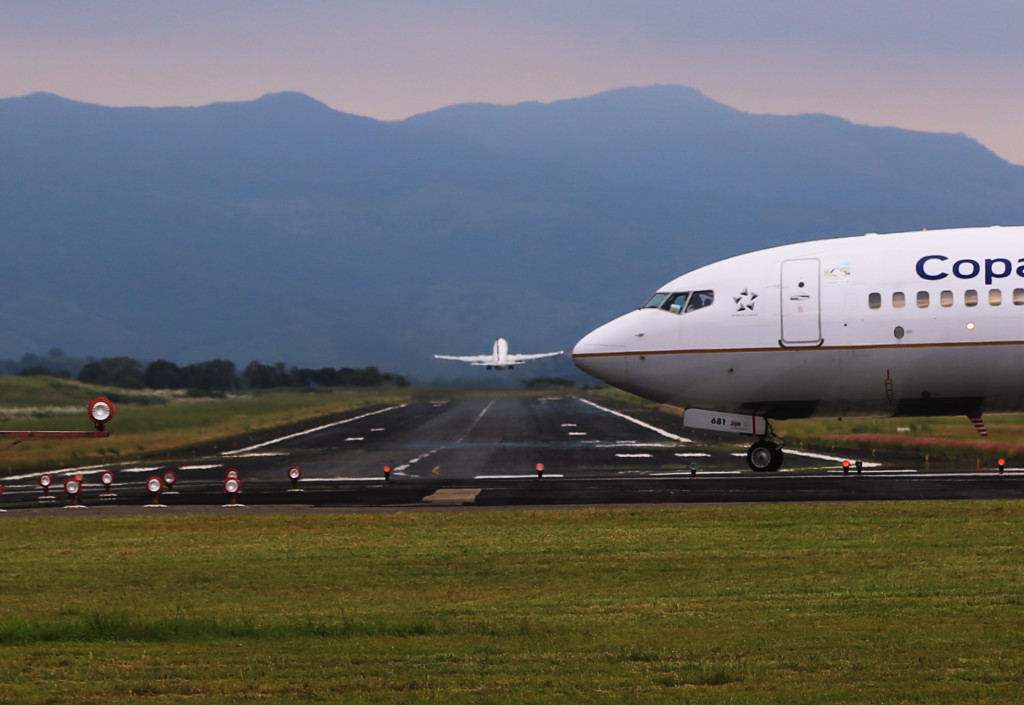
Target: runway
505,451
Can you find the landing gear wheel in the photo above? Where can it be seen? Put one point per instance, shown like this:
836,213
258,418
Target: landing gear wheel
765,456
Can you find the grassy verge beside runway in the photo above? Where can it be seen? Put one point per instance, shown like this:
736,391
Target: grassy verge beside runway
897,603
945,438
148,423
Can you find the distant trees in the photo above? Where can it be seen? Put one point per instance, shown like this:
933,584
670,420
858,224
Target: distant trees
260,376
548,382
210,376
113,371
55,363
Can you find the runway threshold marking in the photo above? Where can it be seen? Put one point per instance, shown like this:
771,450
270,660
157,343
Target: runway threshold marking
638,422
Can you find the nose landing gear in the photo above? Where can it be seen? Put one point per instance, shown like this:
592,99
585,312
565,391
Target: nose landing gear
765,456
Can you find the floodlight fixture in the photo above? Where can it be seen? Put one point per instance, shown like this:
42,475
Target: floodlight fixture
101,410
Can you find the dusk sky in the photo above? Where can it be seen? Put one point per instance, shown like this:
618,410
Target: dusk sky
935,65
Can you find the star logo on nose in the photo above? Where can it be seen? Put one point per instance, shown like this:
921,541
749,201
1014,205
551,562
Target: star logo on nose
745,300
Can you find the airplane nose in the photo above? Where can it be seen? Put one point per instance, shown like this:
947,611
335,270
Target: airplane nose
601,354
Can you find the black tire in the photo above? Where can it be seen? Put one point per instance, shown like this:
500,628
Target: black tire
764,457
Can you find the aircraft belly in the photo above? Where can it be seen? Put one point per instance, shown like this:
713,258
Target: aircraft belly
934,381
837,382
784,384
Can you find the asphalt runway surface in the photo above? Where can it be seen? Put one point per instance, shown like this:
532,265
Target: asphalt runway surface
501,452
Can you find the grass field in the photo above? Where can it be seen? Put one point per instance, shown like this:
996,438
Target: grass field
842,603
153,423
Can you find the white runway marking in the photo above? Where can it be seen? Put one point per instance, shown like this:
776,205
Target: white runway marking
633,455
311,430
476,420
343,479
818,456
515,477
638,422
399,470
701,473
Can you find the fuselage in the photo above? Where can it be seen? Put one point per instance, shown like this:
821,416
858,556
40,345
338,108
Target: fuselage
500,353
920,323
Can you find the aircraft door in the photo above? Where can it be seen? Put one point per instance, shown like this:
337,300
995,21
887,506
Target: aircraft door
801,303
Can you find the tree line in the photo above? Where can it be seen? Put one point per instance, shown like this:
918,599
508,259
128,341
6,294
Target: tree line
212,375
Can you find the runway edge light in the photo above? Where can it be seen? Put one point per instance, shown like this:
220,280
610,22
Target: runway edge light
155,485
73,488
540,470
107,478
295,474
233,486
170,477
45,480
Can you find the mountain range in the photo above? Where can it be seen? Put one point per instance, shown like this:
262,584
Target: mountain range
282,230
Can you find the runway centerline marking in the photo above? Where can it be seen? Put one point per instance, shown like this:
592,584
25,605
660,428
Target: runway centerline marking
476,420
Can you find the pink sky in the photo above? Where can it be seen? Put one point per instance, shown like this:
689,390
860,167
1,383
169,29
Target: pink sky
934,65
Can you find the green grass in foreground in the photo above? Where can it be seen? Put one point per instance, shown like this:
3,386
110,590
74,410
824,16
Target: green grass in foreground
895,603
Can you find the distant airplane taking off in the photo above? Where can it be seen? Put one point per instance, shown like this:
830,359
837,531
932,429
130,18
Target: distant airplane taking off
500,358
907,324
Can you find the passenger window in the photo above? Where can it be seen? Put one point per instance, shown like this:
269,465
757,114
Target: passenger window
970,297
1018,297
922,299
899,300
676,302
995,297
946,299
874,300
700,299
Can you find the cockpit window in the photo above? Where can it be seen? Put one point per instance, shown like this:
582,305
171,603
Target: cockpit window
656,301
680,302
676,302
700,299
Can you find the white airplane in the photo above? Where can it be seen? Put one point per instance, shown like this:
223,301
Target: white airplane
500,358
926,323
